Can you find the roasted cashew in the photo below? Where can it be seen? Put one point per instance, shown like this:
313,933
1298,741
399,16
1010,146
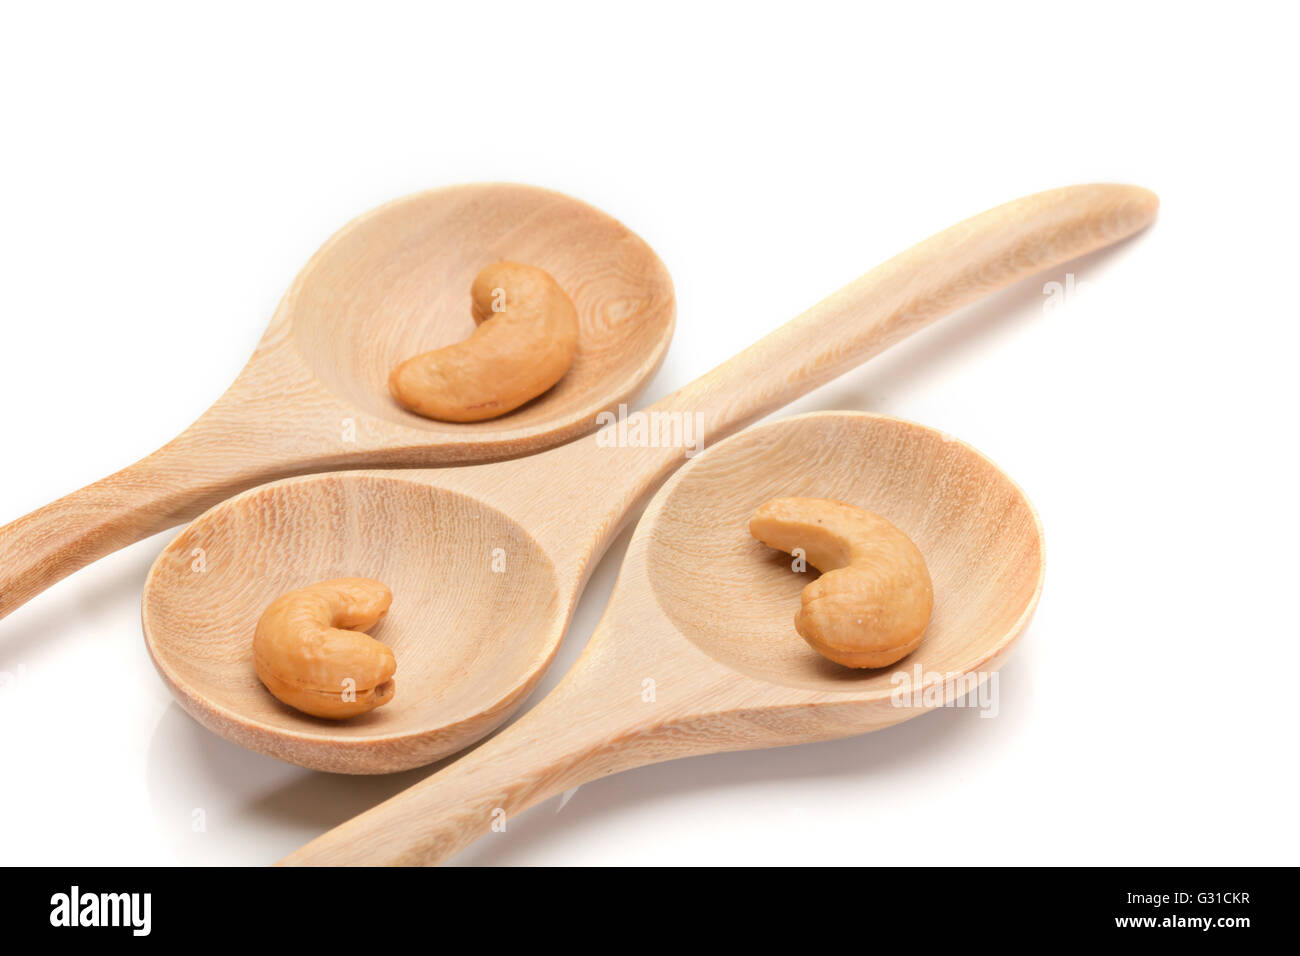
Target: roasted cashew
526,339
871,605
310,653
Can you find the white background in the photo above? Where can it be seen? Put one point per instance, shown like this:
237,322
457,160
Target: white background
163,175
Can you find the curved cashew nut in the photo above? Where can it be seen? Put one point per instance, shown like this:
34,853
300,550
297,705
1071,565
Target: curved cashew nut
873,601
526,339
310,653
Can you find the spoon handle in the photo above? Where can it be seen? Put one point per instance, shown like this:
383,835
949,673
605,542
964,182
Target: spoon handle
175,483
592,724
976,257
903,295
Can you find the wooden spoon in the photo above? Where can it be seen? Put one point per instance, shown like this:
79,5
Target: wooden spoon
486,563
697,651
314,396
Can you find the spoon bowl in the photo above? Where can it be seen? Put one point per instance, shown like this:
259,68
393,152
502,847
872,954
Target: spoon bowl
395,283
314,396
487,562
697,651
980,538
468,637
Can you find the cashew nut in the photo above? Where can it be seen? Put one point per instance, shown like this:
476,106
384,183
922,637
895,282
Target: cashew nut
526,339
871,605
310,653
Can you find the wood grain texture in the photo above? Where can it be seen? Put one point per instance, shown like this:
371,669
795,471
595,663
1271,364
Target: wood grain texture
314,396
701,615
472,642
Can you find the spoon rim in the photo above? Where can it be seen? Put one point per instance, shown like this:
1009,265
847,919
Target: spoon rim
644,533
406,431
256,734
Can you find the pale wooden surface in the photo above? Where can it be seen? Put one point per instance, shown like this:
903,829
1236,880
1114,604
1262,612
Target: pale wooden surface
472,643
391,284
702,611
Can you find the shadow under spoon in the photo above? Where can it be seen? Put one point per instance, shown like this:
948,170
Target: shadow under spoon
314,396
697,653
486,563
